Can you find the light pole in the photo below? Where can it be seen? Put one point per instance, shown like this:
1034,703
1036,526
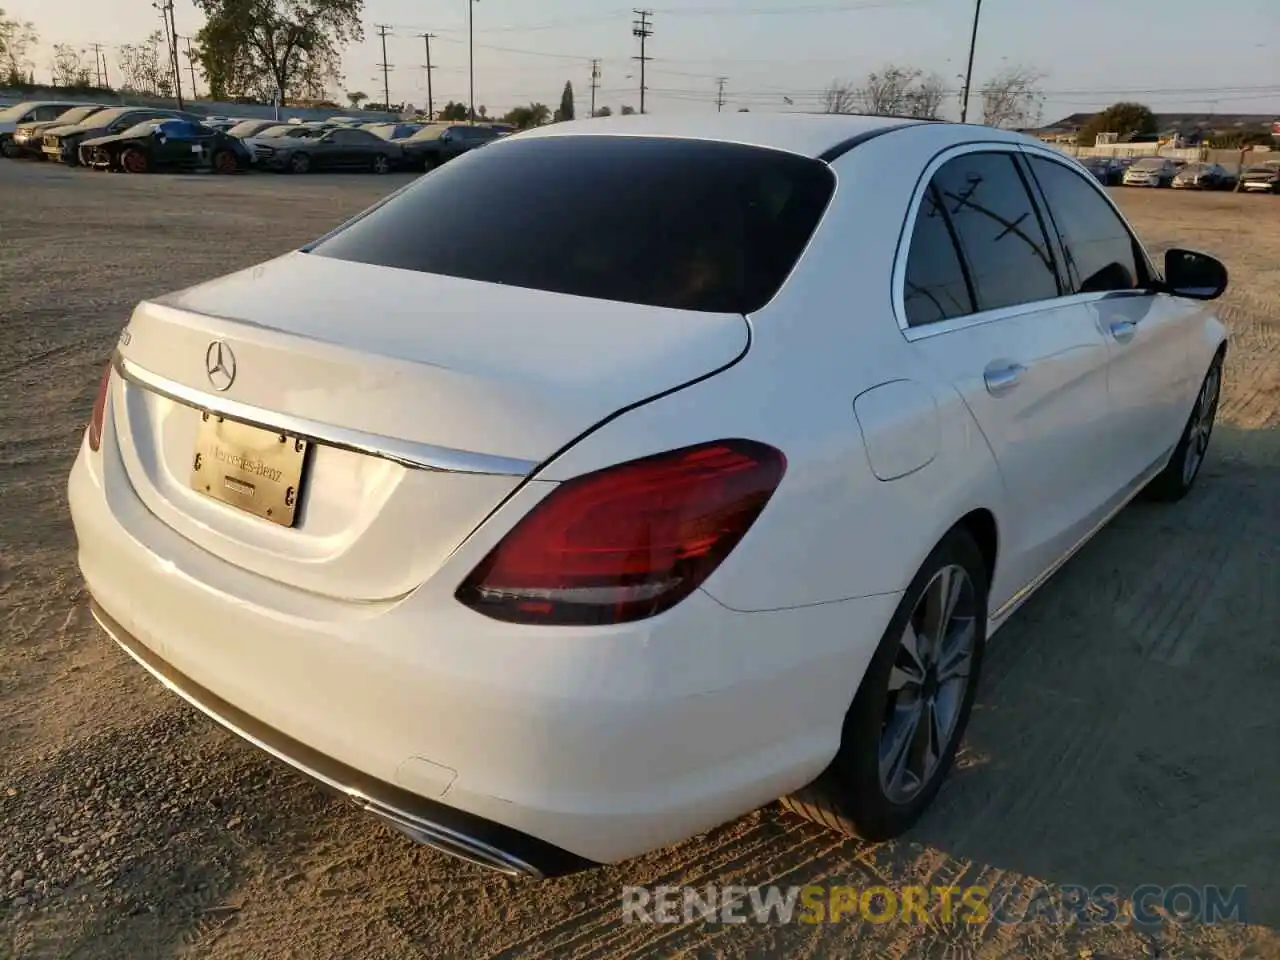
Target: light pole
471,57
968,73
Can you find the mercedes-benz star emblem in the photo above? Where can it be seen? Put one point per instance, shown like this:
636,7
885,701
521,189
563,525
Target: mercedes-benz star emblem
220,365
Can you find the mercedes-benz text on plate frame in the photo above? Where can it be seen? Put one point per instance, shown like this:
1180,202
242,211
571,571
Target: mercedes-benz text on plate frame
499,533
256,470
220,365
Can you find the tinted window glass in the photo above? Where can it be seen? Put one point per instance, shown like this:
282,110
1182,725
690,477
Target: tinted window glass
48,112
998,229
936,288
1101,253
692,224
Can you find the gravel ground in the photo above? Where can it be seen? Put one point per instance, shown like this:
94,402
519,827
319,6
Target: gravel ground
1125,733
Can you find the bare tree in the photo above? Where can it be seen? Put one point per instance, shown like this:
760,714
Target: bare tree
142,70
1012,98
887,92
17,37
839,98
69,67
925,99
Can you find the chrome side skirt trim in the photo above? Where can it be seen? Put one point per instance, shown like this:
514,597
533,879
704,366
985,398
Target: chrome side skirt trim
417,828
1024,594
417,456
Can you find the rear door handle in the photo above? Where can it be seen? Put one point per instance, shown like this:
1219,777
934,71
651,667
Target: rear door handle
1002,378
1123,330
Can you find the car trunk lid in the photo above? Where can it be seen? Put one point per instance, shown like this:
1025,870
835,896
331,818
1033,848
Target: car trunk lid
428,399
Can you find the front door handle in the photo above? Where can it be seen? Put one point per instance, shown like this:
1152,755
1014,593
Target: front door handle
1123,330
1000,379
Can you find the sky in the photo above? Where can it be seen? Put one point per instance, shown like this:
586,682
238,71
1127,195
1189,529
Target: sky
1174,55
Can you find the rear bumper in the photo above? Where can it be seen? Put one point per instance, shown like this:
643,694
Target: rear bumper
473,735
434,824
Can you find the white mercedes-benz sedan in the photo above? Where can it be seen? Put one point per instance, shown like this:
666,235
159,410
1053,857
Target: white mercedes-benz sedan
629,474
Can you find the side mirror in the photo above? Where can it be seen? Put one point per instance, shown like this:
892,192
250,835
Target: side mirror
1196,276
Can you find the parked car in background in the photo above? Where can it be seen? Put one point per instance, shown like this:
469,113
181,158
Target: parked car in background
1149,172
26,114
524,396
62,143
1106,170
276,130
342,148
441,142
395,131
1204,176
165,144
27,138
250,128
1261,178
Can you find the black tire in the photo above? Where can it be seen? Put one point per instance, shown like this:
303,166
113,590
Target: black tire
381,164
430,163
299,163
850,796
1179,475
224,161
8,147
133,160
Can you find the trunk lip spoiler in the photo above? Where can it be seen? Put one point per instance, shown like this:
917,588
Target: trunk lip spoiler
407,453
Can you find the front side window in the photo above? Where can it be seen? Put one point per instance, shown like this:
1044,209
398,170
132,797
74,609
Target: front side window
1100,252
688,224
998,230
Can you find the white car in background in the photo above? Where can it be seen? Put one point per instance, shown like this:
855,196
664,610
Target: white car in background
657,492
1150,172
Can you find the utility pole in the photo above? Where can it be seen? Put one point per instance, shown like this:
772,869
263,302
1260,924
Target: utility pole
386,67
191,65
171,37
106,80
595,83
642,28
97,62
471,58
720,82
431,108
968,73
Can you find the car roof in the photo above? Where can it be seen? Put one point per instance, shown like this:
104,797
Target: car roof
811,135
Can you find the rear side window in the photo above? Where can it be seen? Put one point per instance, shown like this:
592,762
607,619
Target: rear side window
691,224
936,285
998,229
1100,252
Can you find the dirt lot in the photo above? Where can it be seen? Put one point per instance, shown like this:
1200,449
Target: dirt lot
1126,731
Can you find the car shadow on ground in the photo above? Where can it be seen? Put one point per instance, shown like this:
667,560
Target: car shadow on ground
1125,732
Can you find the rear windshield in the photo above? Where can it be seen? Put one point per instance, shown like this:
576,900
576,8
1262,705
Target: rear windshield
1149,163
691,224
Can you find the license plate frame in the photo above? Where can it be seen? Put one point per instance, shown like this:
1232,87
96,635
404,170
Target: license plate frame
253,469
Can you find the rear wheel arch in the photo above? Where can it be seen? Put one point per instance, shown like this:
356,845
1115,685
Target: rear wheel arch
981,525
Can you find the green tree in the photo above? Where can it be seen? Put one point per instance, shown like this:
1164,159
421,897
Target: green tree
604,112
1122,118
260,47
565,111
627,111
534,115
454,111
356,97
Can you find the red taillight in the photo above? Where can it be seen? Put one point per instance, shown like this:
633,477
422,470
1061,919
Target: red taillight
99,411
629,541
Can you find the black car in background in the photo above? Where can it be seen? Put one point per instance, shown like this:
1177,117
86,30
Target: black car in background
63,142
441,142
165,144
27,136
342,148
1106,170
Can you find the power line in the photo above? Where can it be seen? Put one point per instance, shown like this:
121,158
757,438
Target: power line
720,82
643,29
386,67
426,41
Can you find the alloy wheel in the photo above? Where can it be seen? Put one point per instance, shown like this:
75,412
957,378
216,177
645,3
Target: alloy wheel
1202,425
927,684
